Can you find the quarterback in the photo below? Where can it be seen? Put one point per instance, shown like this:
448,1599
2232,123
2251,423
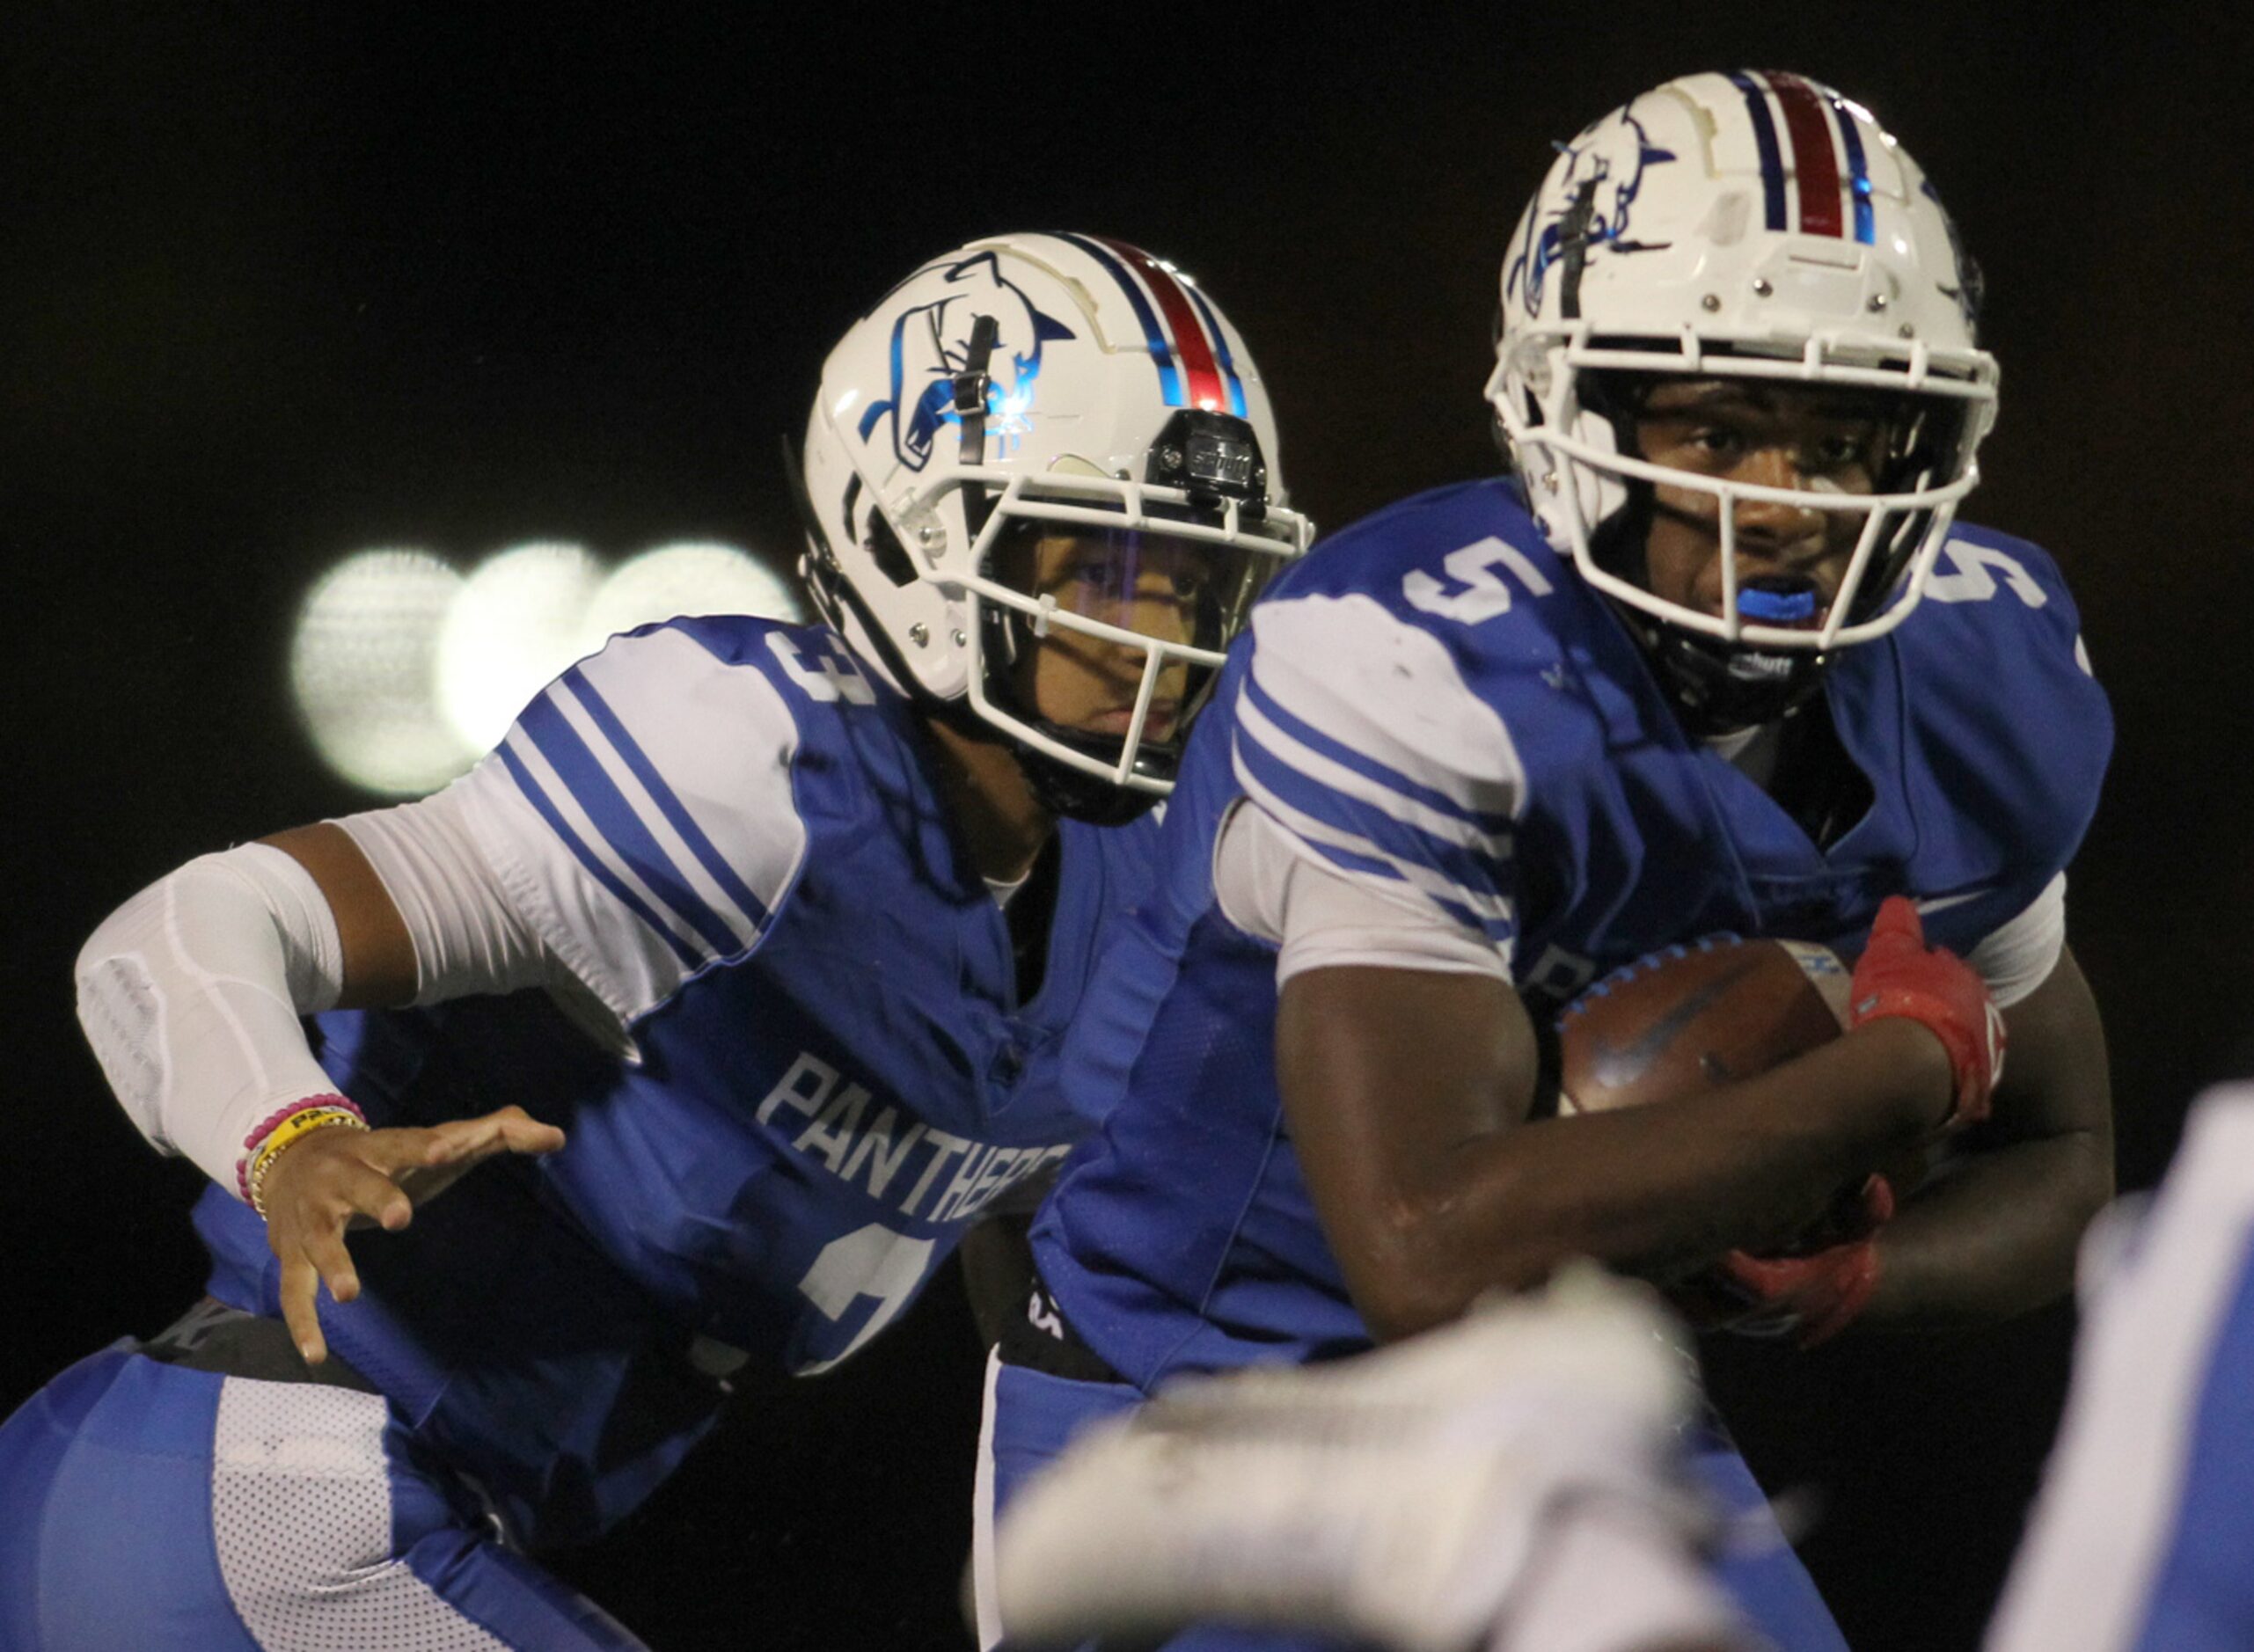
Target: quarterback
1719,657
744,959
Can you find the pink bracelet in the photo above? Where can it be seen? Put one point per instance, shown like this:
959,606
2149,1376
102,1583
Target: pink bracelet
274,1122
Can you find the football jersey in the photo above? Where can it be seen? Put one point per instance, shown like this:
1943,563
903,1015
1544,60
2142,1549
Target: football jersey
731,836
1435,705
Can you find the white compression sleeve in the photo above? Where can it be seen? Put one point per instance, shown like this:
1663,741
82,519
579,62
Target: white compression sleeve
2019,957
467,936
190,994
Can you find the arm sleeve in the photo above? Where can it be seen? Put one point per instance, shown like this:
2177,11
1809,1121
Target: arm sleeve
192,992
1359,739
2018,957
641,782
190,995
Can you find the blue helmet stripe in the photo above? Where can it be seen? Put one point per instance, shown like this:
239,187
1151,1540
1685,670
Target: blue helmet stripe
1220,350
1765,141
1858,174
1162,352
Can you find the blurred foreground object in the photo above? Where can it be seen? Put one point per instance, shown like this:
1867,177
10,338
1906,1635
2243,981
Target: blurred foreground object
1512,1482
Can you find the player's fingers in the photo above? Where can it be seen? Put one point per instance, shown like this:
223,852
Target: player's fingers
525,1134
357,1188
1878,1201
300,1292
1898,918
324,1248
1761,1278
509,1130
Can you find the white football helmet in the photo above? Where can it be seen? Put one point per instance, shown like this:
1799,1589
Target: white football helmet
1748,226
1063,379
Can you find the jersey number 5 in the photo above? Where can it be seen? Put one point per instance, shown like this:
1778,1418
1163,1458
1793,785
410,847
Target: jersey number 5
1479,591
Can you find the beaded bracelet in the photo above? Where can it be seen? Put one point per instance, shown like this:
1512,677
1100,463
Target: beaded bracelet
300,1119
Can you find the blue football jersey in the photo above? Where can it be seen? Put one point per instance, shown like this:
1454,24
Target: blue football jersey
1434,702
730,836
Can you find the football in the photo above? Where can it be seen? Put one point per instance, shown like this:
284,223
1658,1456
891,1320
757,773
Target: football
1695,1017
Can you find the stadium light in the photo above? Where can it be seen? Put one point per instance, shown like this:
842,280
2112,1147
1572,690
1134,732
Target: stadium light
362,671
689,578
519,619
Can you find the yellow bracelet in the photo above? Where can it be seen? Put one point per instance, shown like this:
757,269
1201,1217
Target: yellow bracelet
297,1126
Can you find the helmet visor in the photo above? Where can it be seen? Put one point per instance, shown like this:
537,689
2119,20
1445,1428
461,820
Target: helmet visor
1116,629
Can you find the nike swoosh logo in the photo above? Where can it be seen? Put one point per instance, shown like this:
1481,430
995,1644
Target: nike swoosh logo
1615,1066
1942,902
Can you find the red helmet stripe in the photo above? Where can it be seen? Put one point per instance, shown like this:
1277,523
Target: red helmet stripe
1189,342
1815,163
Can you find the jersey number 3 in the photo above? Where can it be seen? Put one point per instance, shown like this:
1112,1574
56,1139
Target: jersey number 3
869,1261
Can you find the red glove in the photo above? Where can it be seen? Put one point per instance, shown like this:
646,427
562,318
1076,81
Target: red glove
1810,1298
1899,975
1810,1291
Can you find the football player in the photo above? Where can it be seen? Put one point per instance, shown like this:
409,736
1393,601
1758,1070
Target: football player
744,958
1718,657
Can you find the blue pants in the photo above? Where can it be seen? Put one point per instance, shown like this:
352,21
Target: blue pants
151,1505
1034,1415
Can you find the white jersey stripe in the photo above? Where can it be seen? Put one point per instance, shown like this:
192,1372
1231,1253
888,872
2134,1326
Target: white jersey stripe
1367,682
592,843
1338,777
1485,906
744,926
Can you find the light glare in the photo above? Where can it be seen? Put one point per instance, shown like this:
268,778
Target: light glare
363,671
517,622
691,578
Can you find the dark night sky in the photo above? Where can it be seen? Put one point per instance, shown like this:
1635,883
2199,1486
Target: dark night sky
285,286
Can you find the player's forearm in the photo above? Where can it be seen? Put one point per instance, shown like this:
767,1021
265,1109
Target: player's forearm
1666,1187
190,994
1998,1236
1654,1190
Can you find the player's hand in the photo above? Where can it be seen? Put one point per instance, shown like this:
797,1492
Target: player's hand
1810,1291
1816,1292
1899,975
329,1181
1810,1298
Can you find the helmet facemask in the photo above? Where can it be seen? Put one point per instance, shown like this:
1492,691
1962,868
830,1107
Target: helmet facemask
1063,570
1759,234
1118,599
1859,489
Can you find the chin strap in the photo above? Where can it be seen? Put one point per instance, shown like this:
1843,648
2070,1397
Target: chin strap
1717,688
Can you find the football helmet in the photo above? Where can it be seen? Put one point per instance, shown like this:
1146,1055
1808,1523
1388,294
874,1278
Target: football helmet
1746,226
1032,386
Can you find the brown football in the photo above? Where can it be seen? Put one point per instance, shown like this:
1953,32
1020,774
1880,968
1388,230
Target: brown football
1709,1013
1695,1017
